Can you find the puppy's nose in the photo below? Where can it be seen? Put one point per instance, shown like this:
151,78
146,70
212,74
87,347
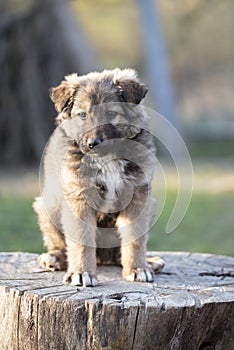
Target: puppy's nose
93,142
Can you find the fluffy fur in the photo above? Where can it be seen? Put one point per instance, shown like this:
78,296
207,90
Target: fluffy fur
97,178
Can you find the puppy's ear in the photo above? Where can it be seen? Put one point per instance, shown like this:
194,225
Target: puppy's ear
129,87
63,95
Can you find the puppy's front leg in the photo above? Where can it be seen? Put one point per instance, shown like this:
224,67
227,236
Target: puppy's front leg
135,267
81,265
133,224
80,230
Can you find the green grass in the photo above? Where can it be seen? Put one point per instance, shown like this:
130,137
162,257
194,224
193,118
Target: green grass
18,225
207,226
211,150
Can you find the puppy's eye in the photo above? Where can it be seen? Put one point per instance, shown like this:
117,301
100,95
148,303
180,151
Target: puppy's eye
82,115
111,114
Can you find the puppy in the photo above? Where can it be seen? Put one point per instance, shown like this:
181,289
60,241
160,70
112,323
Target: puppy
96,203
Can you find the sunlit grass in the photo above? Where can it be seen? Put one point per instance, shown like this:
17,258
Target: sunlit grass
18,225
208,225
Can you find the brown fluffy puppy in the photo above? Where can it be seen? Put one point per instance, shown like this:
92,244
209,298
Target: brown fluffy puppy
98,168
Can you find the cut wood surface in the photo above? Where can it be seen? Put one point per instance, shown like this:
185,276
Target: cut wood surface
189,306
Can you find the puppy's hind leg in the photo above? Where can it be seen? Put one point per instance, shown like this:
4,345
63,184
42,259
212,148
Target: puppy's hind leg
53,239
156,263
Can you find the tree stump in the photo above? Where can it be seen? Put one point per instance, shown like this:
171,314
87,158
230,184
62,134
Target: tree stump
189,306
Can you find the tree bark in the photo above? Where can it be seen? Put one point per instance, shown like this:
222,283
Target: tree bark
190,305
38,47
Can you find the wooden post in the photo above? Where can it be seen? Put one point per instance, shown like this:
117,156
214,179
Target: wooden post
189,306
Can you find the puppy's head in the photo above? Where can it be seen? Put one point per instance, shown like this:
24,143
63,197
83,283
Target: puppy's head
104,105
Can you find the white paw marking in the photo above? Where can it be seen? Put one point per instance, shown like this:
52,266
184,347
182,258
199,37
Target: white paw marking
149,275
140,275
144,275
80,279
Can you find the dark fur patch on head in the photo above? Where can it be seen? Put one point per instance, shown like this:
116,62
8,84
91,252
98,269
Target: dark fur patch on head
131,91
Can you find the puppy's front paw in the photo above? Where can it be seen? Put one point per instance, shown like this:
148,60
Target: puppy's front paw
144,274
80,279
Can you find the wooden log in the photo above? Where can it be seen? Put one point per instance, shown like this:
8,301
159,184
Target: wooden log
190,305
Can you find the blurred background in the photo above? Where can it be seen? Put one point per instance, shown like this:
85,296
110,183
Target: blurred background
182,49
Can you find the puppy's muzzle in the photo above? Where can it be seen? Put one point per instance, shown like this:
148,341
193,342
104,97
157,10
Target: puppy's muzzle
91,143
95,136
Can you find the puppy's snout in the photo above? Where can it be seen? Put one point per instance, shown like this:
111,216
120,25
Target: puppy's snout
93,142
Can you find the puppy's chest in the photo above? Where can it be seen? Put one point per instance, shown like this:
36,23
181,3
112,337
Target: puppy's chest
107,176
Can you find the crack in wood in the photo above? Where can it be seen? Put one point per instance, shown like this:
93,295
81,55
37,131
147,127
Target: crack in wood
18,322
217,274
175,340
135,327
37,320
